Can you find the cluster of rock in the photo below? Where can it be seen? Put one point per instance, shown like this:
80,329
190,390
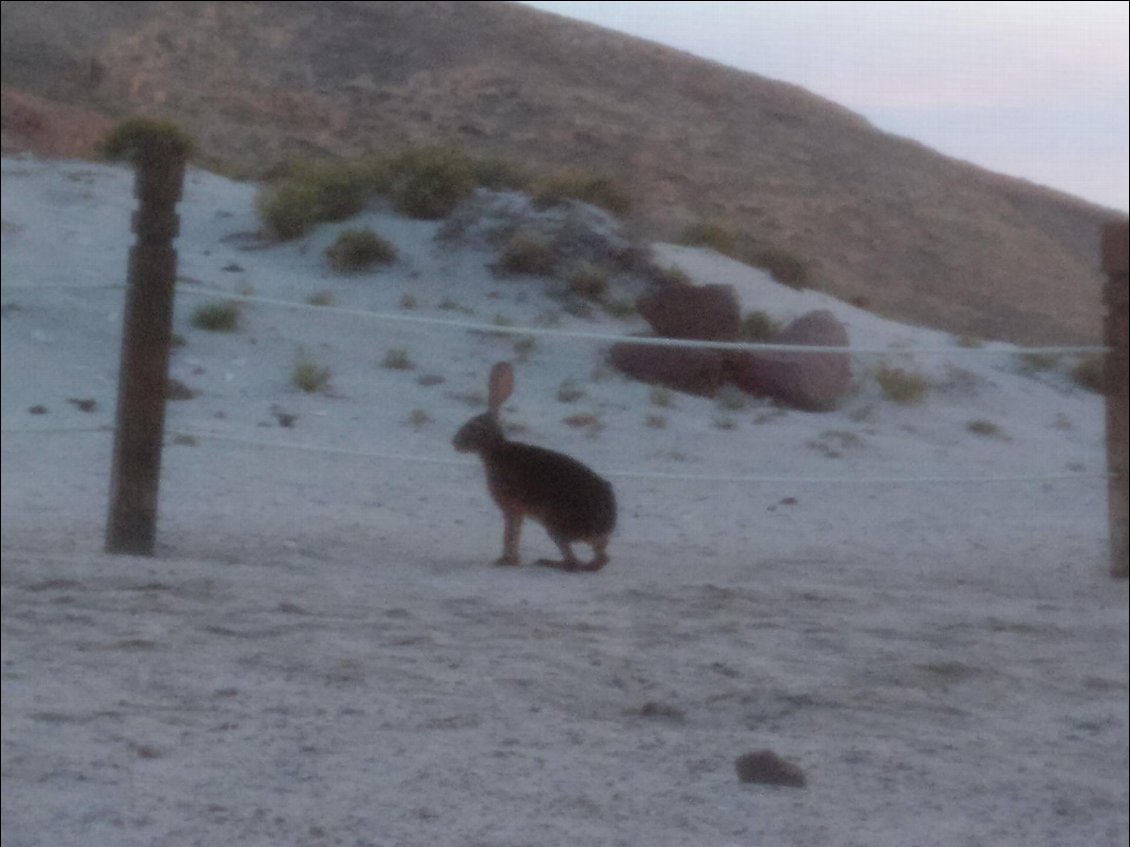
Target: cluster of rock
814,382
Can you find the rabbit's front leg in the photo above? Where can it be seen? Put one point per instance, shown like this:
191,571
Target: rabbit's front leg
512,530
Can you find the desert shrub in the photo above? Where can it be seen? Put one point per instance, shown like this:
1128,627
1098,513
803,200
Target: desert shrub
984,428
1031,363
397,359
671,276
619,307
216,317
311,193
429,183
589,281
310,377
662,397
359,250
525,346
902,386
419,418
1090,374
525,253
140,139
498,174
588,187
758,327
569,392
717,237
784,266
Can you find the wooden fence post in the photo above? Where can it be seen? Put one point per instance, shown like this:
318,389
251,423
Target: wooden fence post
1116,245
132,523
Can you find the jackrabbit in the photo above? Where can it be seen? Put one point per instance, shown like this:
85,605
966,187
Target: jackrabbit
568,499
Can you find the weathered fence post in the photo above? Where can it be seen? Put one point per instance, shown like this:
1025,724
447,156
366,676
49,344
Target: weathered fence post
159,158
1116,245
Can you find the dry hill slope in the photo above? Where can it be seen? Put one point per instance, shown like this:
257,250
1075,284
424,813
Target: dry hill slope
919,236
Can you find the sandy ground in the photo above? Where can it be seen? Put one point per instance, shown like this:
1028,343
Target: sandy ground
321,654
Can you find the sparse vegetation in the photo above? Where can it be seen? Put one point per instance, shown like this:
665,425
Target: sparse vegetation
397,359
408,301
309,376
661,397
785,267
429,183
419,418
589,281
902,386
725,422
526,253
1032,363
580,184
216,317
321,298
656,421
524,346
620,308
716,236
984,428
311,193
357,250
970,342
585,421
569,392
140,140
759,327
1090,374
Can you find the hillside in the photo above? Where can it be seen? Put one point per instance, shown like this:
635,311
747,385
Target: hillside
879,219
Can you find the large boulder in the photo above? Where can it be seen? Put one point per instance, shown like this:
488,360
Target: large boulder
814,382
693,371
703,312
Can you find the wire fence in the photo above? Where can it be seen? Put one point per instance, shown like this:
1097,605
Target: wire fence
440,324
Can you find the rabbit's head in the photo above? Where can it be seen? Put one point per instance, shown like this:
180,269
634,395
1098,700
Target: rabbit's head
483,432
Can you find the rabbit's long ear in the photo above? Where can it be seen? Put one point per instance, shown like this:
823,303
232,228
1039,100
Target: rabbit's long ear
501,384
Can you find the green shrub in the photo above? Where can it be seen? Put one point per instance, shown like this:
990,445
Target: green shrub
758,327
428,184
310,377
1090,374
589,281
216,317
621,308
526,253
498,174
717,237
569,392
397,359
784,266
579,184
312,193
358,250
902,386
988,429
140,140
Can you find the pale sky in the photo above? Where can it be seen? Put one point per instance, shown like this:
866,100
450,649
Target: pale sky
1035,90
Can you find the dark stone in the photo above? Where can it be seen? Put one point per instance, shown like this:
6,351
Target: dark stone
767,768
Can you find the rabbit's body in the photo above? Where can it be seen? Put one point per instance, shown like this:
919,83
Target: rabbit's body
566,497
